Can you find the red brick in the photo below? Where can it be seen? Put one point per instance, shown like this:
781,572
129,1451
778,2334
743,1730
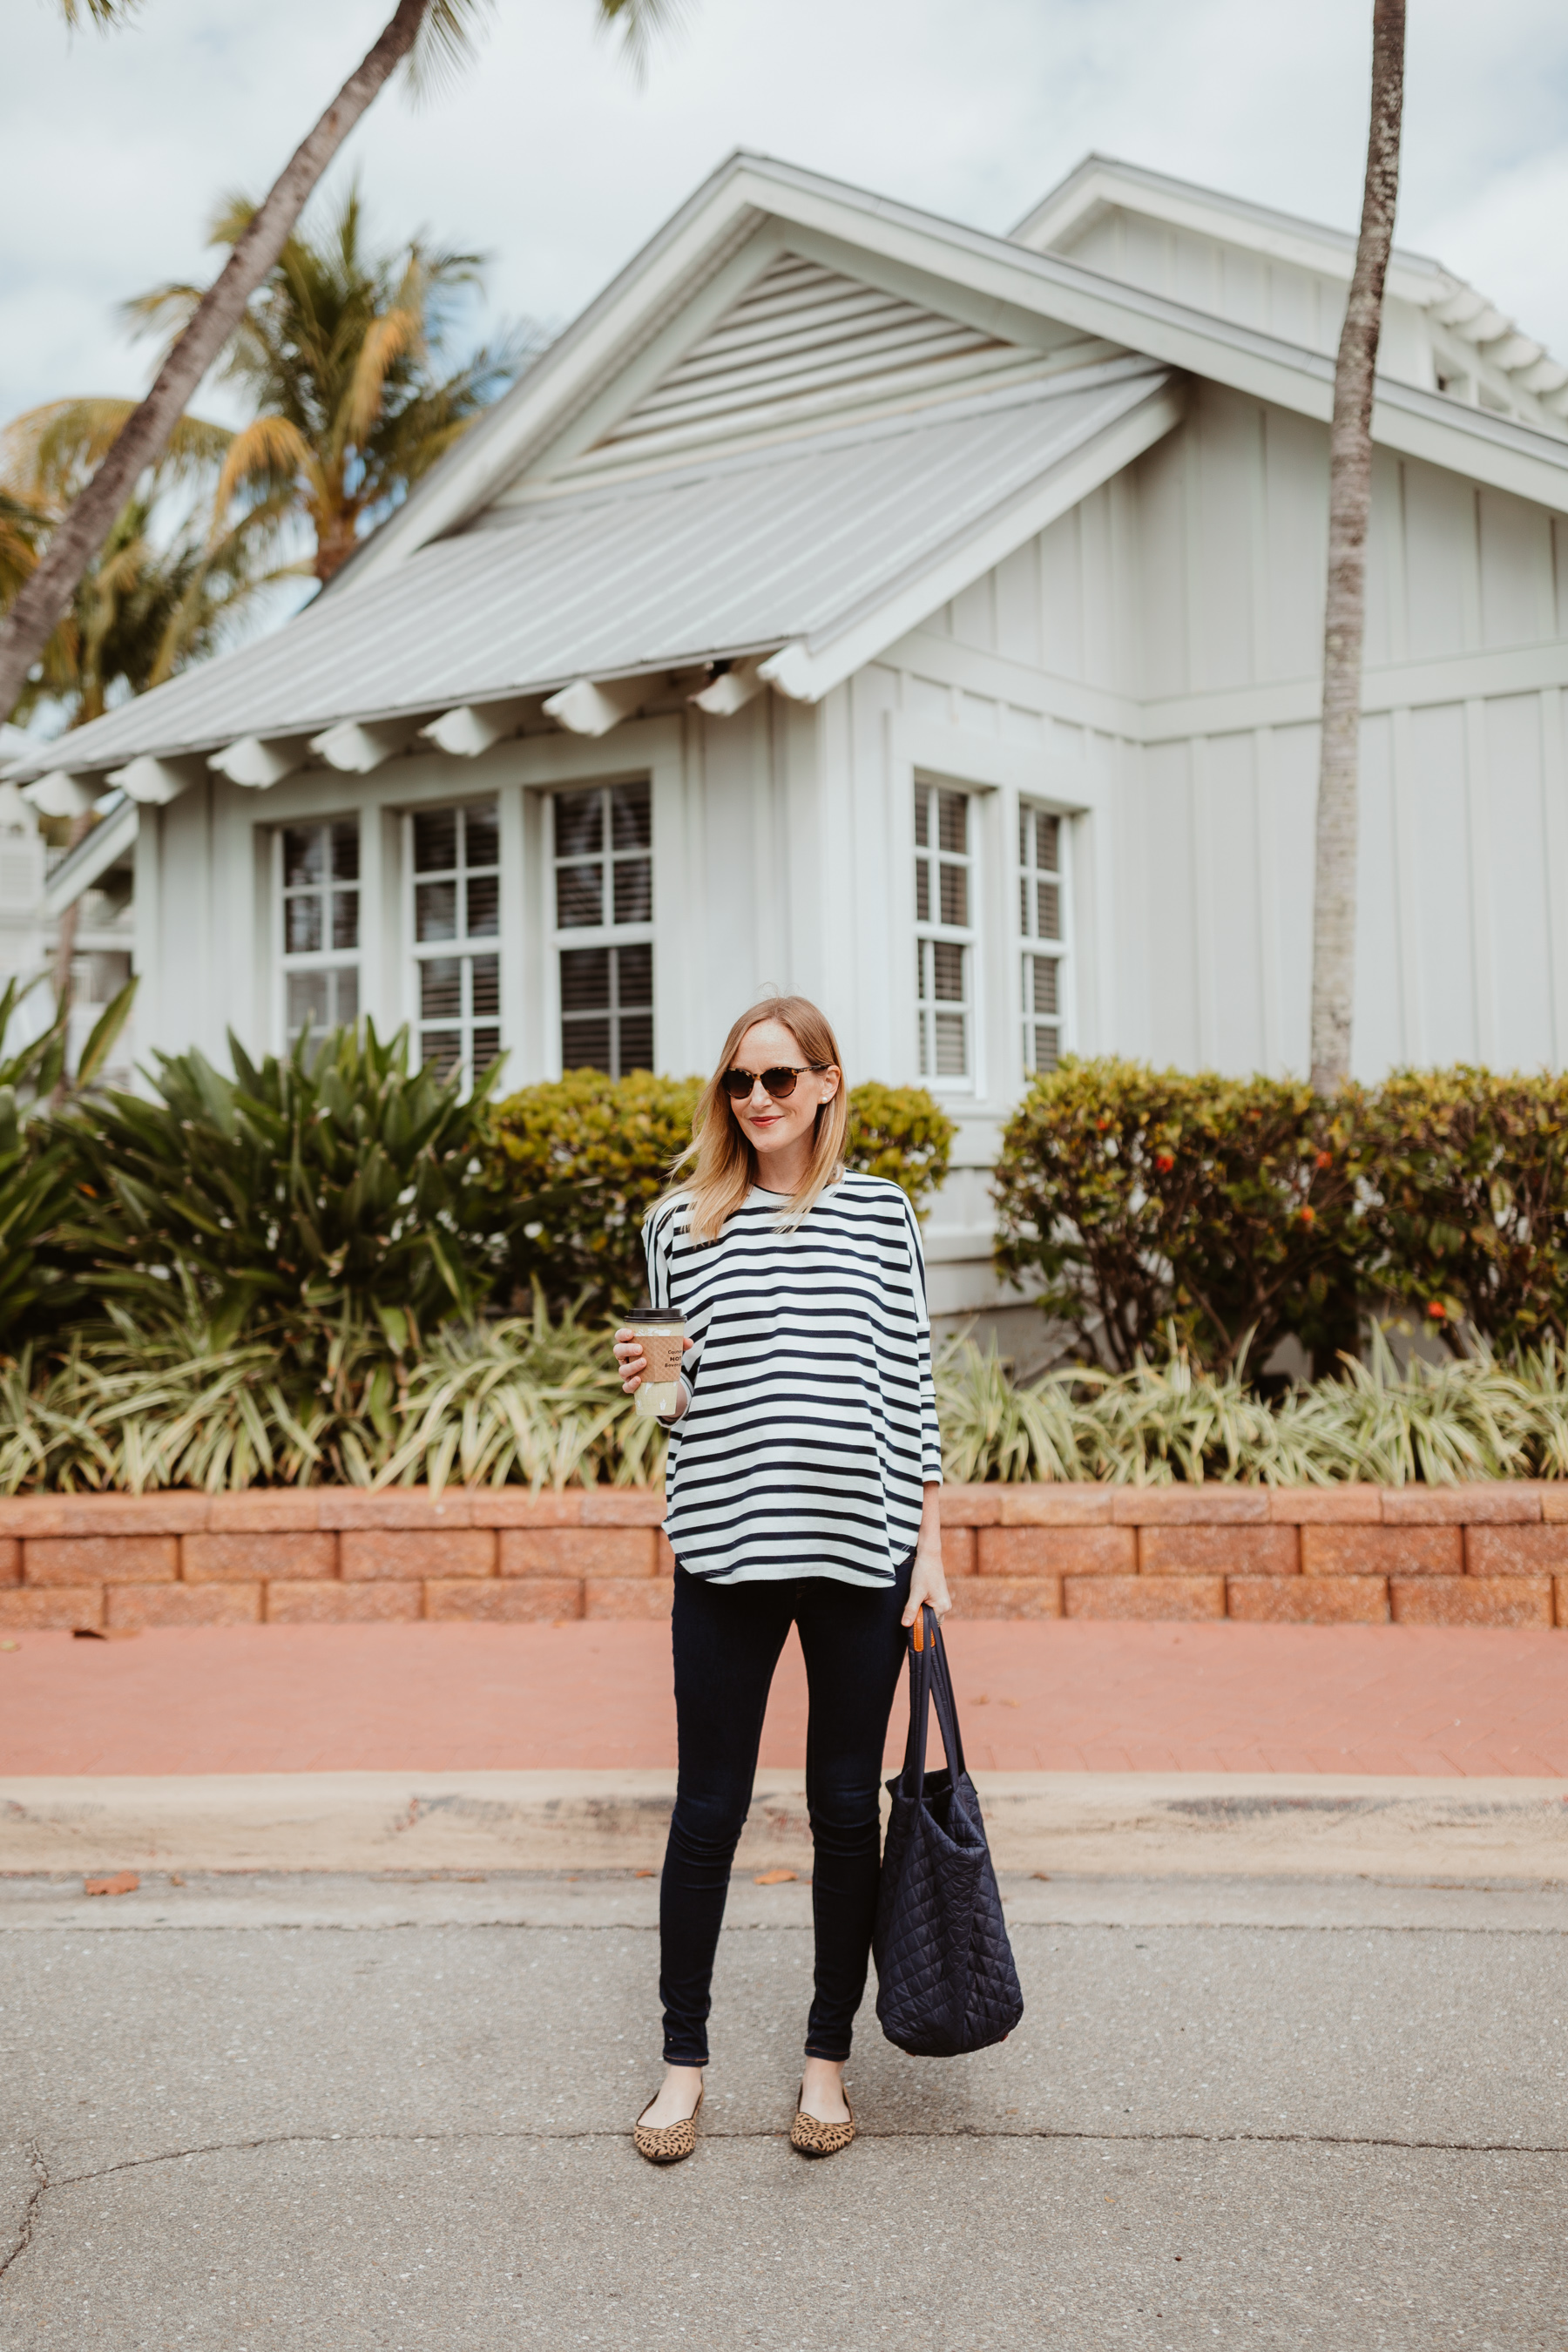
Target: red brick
1560,1582
524,1602
578,1551
142,1605
1077,1503
1383,1551
1144,1596
265,1511
1307,1600
1553,1501
57,1609
1471,1600
1325,1505
1057,1552
172,1511
1488,1501
1180,1506
1228,1551
332,1602
1008,1596
10,1560
101,1559
625,1596
395,1506
1516,1551
416,1552
959,1553
971,1505
212,1559
623,1507
663,1555
519,1507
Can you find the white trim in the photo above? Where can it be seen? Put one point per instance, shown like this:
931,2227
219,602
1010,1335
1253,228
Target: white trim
94,855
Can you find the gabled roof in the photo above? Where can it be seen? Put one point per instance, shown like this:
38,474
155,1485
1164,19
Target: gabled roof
1460,319
806,546
786,428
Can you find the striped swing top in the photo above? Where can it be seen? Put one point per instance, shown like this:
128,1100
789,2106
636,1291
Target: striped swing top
811,1432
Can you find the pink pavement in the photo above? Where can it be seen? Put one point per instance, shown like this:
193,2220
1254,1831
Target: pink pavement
1053,1696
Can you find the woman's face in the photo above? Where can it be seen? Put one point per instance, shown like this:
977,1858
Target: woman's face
768,1126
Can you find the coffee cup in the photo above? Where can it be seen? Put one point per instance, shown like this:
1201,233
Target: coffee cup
663,1338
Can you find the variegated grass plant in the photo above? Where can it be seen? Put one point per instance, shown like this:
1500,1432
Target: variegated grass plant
1462,1418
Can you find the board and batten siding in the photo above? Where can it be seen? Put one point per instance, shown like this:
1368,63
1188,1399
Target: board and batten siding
1167,632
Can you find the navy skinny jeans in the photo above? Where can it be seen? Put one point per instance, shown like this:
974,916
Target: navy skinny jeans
727,1640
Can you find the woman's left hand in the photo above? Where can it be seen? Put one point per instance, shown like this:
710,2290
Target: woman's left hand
927,1584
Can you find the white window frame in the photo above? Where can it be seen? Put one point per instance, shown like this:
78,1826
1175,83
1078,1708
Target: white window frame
464,949
563,937
931,932
324,958
1034,944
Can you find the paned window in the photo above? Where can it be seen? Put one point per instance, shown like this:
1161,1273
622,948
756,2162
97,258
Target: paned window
1042,921
603,927
944,936
320,894
457,931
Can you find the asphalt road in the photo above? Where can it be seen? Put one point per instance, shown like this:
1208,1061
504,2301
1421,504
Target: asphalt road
347,2113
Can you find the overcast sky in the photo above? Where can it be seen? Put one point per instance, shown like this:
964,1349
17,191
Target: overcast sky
549,154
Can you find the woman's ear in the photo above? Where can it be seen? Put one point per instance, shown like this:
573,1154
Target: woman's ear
832,1080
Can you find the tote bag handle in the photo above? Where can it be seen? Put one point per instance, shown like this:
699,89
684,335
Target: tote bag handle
930,1681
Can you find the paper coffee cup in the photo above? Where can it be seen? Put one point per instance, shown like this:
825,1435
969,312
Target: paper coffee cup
663,1343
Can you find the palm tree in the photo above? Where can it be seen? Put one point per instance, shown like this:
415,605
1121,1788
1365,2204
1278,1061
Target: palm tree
1344,619
424,36
338,352
163,591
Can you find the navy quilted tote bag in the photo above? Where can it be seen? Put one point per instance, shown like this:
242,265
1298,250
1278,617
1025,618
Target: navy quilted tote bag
945,1977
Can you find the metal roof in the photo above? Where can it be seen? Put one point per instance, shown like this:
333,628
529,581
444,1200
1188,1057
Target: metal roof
739,554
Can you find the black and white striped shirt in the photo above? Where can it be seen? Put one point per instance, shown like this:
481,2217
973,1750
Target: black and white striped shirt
811,1430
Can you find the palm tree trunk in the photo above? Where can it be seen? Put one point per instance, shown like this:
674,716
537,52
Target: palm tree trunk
86,522
1350,501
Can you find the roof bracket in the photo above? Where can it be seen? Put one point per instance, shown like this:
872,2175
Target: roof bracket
473,727
357,745
259,761
59,793
588,708
731,687
156,782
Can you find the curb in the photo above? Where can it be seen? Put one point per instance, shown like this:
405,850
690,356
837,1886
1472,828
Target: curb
1086,1825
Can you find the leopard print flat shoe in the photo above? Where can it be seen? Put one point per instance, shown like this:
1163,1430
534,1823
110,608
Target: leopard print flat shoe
813,2138
673,2143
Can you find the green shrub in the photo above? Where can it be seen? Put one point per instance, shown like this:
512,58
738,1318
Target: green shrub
310,1195
902,1133
1467,1201
576,1165
38,1282
1222,1209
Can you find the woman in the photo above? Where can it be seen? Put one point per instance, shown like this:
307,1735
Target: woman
803,1488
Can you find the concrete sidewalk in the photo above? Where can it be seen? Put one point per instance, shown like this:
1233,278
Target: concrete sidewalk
338,2113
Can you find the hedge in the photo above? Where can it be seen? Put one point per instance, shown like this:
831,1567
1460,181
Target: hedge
575,1164
1224,1213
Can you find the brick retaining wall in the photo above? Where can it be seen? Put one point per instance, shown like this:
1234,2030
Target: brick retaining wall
1493,1554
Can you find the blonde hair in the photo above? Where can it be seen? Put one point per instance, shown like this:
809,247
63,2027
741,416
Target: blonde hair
726,1162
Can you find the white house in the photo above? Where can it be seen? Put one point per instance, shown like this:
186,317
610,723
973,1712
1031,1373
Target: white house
925,620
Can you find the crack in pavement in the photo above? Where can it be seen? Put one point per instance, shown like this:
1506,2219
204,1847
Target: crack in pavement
31,2210
963,2131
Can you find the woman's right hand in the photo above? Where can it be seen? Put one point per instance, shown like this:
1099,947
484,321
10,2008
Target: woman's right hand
631,1359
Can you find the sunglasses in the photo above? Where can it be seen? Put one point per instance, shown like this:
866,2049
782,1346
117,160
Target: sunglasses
780,1083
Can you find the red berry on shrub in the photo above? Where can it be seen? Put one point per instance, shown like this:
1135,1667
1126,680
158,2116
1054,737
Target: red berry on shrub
1163,1161
1309,1216
1438,1311
1325,1159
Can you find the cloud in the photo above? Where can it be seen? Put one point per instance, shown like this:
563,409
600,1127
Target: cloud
549,153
